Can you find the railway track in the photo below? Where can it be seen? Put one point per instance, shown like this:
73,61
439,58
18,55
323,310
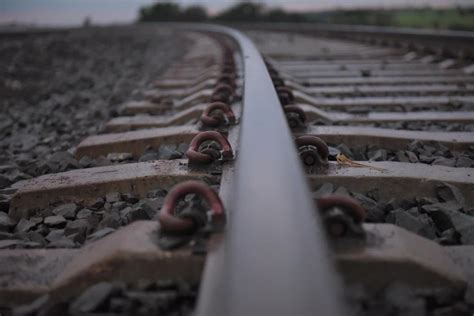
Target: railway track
273,172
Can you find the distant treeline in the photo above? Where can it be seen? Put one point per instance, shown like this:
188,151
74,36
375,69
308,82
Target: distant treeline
458,18
241,12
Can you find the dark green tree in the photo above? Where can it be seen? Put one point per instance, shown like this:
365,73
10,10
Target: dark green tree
242,12
160,12
280,15
194,13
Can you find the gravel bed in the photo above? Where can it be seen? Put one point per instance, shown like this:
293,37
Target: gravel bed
443,218
72,225
364,94
404,108
398,299
57,89
178,298
64,161
432,153
411,126
168,297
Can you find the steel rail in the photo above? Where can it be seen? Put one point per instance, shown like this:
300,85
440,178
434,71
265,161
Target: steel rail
449,35
435,40
273,258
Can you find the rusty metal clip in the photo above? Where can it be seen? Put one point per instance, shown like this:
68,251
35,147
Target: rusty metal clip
295,115
171,223
313,150
228,79
228,53
342,215
217,113
278,81
228,69
222,93
208,154
272,71
285,95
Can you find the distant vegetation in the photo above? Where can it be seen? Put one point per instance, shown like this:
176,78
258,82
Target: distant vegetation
454,19
241,12
172,12
457,19
443,19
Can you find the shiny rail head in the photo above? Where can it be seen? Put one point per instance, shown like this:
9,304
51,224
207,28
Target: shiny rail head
268,161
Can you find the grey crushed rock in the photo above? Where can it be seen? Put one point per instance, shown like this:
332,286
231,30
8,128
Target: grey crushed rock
442,218
84,213
113,197
464,162
398,299
45,114
333,152
91,299
98,203
341,191
56,220
10,243
447,192
36,237
111,220
137,214
156,193
4,203
117,206
78,226
440,213
149,157
6,223
142,298
150,205
182,148
169,151
62,242
100,233
449,237
130,198
420,225
377,155
463,224
444,162
324,189
55,234
119,157
66,210
4,181
5,235
411,156
345,150
416,152
24,225
85,224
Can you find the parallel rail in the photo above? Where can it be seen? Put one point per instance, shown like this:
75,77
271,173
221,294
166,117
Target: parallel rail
454,43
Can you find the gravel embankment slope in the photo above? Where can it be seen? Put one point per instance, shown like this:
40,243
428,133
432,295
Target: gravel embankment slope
56,89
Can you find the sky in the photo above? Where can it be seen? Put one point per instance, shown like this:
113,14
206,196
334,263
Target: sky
73,12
